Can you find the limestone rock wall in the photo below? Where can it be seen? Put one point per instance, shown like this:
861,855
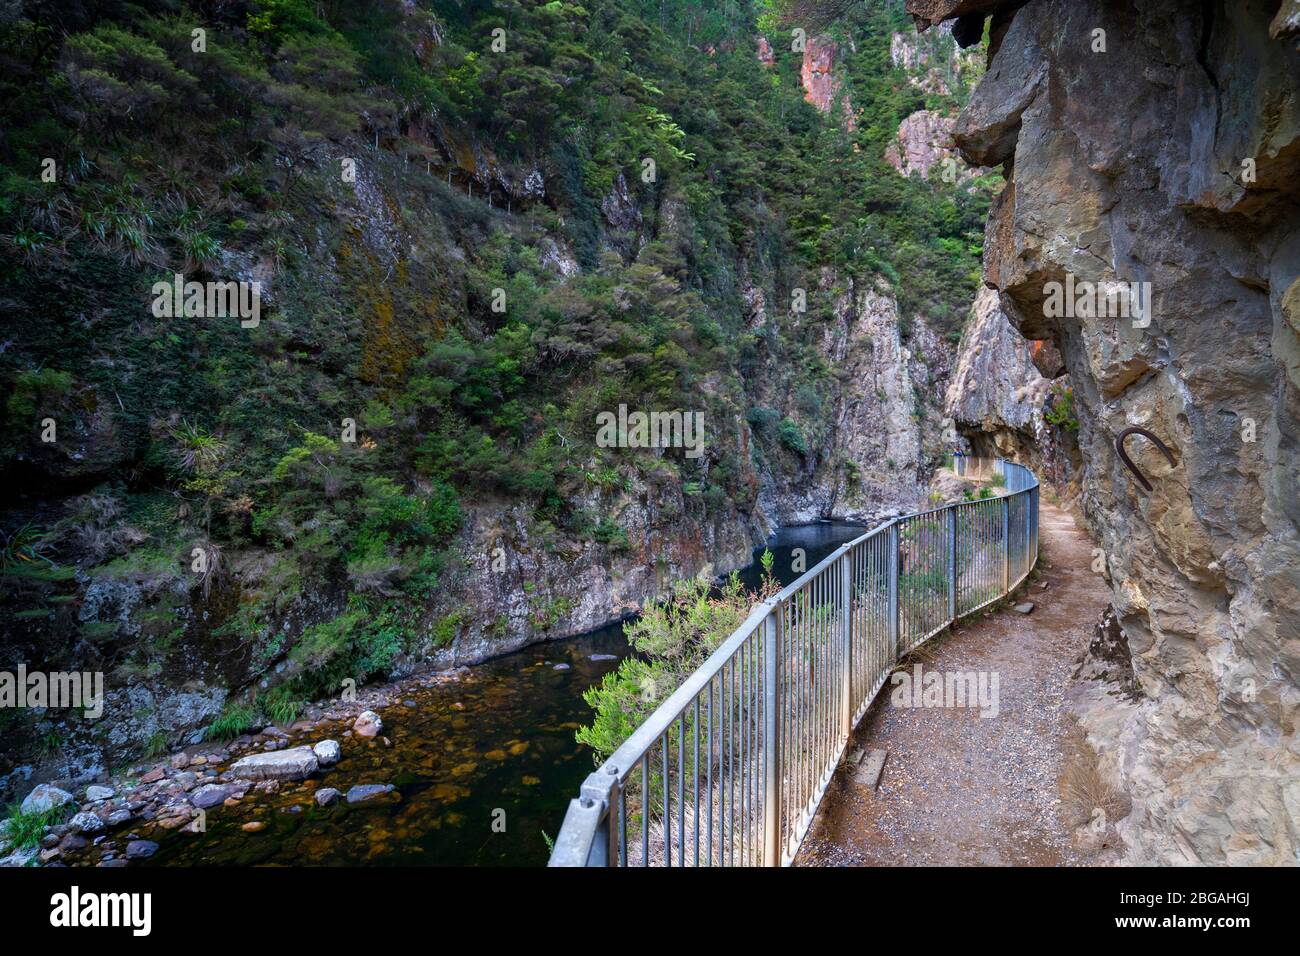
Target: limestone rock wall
999,397
1172,159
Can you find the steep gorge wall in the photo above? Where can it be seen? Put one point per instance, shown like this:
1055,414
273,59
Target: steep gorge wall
1170,158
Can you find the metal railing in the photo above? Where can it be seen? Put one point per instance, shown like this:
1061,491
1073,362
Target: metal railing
730,769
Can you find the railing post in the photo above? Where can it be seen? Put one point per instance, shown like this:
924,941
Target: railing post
952,563
846,635
1006,543
772,736
1031,509
893,591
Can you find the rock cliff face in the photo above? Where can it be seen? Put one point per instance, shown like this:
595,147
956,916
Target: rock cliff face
1171,158
1002,392
884,433
822,88
924,141
519,584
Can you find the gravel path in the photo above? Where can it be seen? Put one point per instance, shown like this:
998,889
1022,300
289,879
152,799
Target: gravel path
959,789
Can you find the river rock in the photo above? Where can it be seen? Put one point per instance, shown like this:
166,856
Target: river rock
86,822
296,763
141,849
209,795
368,724
368,791
180,760
326,796
72,843
327,752
43,798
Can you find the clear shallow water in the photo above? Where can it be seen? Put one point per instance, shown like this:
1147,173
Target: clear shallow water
499,740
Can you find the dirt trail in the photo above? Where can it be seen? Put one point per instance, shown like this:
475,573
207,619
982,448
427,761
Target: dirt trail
961,789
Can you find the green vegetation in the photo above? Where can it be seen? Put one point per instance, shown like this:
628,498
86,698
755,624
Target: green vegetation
26,829
233,721
380,294
1060,408
672,639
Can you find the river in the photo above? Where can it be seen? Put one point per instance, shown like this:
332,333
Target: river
496,747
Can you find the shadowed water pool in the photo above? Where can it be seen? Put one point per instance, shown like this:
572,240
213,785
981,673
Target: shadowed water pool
495,746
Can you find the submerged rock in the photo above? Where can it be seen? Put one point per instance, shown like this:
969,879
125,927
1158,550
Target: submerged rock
141,849
368,791
368,724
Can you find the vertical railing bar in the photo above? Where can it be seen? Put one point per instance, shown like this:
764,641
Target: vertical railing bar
708,769
645,808
681,789
695,767
668,807
771,736
891,557
622,818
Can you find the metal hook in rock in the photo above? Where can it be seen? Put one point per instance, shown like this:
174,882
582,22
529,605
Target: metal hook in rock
1119,447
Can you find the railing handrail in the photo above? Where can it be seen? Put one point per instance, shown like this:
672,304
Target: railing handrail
588,835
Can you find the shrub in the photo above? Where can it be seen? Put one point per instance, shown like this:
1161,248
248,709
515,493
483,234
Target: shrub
26,829
791,437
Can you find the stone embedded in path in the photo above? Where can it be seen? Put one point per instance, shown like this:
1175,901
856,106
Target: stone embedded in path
295,763
869,771
1026,607
45,797
368,791
368,724
328,752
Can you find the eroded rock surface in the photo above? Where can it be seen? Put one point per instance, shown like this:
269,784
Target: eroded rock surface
1171,159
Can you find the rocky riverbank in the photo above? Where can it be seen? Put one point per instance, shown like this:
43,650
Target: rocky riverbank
123,819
